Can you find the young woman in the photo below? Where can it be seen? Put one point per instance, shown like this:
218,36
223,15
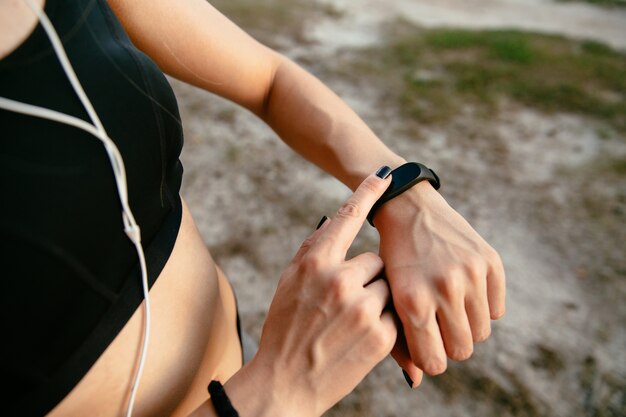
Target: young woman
72,302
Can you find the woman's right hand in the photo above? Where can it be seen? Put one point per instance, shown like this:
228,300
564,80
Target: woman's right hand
327,326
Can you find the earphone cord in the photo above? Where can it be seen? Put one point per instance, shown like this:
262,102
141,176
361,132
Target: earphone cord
96,129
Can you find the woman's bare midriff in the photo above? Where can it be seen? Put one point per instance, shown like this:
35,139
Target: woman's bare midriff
193,333
193,340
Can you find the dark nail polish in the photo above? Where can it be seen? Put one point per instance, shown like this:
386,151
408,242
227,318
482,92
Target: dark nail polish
383,172
407,378
324,218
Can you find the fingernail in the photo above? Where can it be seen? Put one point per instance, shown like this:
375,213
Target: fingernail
407,378
383,172
322,221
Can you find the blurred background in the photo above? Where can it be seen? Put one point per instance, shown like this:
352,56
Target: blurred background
520,106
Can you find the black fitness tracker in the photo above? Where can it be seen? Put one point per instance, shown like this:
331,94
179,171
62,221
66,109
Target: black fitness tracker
403,178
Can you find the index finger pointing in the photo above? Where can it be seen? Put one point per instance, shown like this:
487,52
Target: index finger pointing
346,224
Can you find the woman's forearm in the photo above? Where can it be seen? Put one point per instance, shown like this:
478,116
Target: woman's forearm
320,126
192,41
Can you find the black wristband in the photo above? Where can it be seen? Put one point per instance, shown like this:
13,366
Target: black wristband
220,400
403,178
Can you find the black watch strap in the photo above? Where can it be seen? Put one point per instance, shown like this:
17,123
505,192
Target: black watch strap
403,178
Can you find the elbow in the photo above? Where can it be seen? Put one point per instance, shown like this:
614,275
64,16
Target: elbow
265,104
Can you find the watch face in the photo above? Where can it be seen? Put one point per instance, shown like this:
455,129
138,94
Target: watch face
409,174
406,173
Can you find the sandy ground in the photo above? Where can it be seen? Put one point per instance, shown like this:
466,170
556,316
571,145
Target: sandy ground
576,20
524,180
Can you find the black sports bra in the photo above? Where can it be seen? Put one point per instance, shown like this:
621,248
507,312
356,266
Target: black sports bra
70,276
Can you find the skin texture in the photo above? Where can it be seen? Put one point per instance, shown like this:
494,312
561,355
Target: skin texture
447,294
317,124
447,283
328,324
192,307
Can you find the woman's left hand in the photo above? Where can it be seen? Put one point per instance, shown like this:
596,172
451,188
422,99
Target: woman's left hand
447,283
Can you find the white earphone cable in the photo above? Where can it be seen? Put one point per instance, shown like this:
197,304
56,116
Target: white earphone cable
96,129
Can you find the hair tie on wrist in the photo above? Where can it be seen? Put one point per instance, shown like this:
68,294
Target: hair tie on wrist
220,400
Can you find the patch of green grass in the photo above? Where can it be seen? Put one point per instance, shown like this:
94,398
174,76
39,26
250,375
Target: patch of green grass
597,48
505,46
233,153
619,167
547,359
610,3
479,68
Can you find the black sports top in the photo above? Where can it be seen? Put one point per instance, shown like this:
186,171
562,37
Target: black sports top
69,275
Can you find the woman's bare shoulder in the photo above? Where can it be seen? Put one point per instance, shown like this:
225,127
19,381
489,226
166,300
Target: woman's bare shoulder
17,22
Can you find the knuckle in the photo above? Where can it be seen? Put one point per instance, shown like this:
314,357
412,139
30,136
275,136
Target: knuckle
476,269
312,263
308,242
290,271
366,270
346,273
482,334
373,258
493,257
435,366
339,288
498,313
349,210
361,317
409,303
461,353
382,342
451,283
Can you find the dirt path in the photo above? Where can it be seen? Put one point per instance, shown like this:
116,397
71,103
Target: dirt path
524,180
364,18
